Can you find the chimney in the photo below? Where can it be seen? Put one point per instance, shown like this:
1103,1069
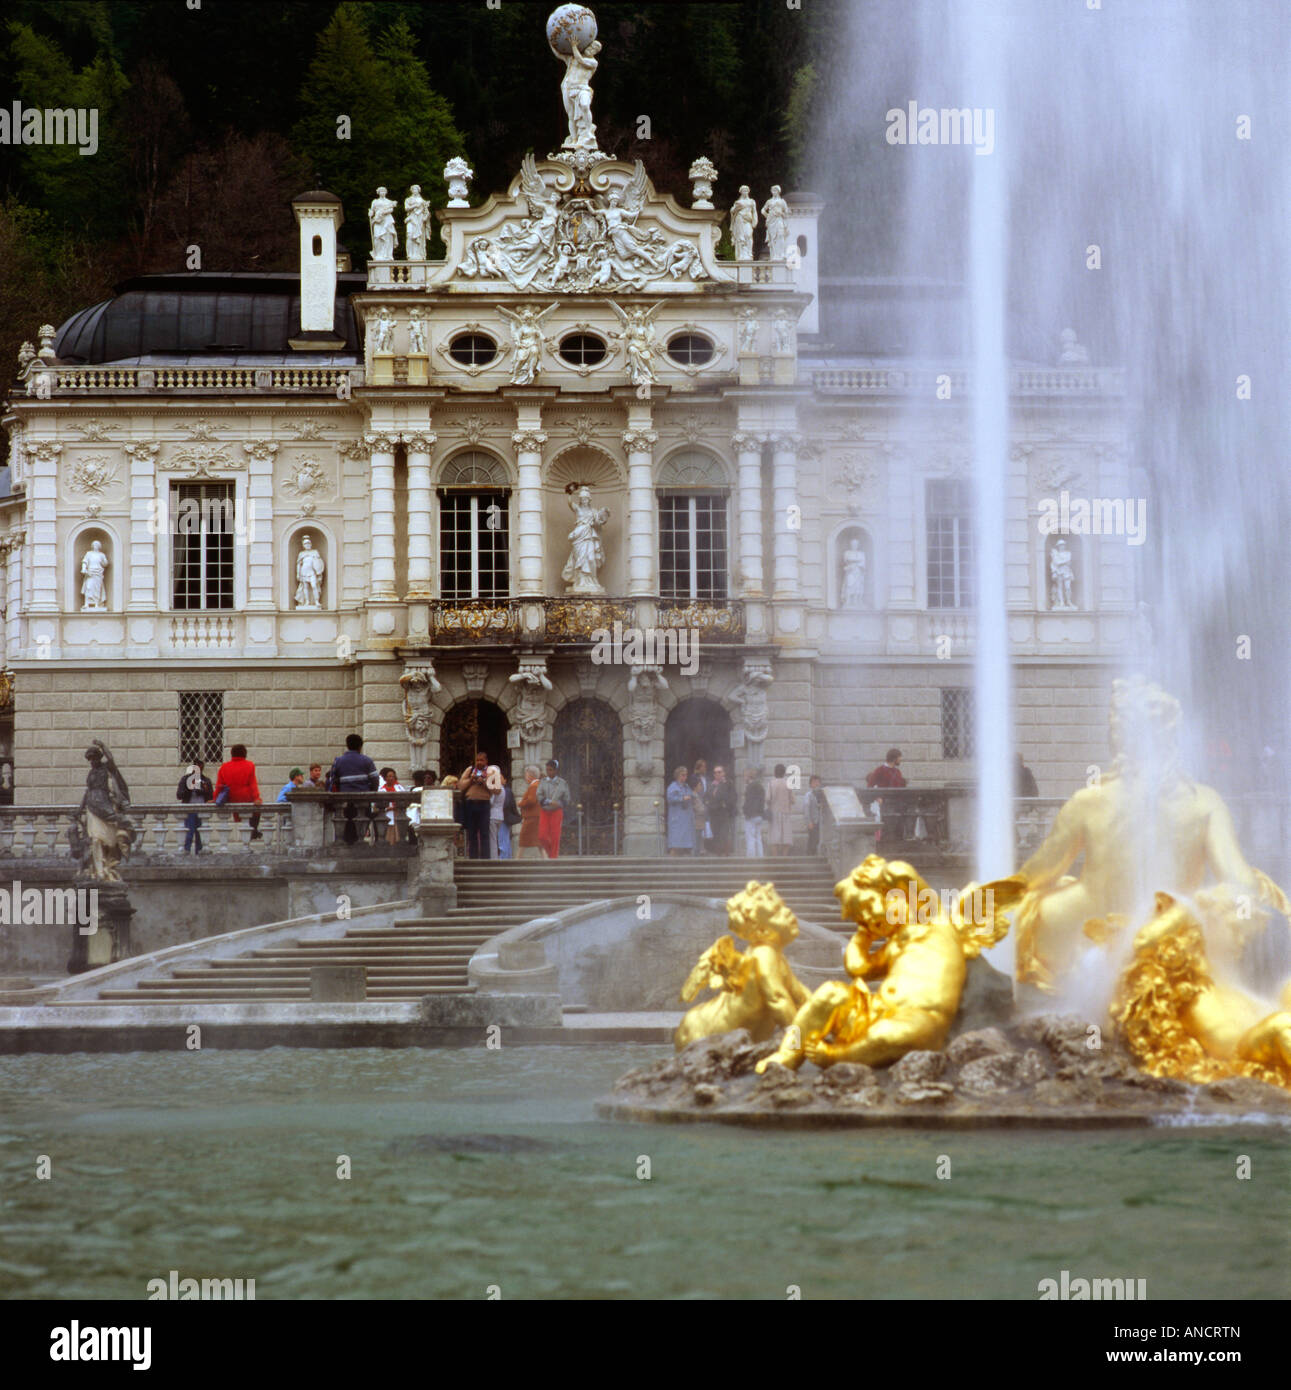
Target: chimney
804,218
319,214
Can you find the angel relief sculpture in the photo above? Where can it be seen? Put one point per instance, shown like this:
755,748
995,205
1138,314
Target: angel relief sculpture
580,241
528,341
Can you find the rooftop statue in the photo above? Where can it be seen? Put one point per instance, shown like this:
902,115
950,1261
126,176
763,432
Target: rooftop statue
571,32
1143,828
757,988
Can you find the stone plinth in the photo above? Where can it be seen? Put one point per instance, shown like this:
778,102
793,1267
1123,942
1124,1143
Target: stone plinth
105,939
430,875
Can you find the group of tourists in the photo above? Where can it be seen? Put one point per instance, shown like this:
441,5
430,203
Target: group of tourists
706,812
489,811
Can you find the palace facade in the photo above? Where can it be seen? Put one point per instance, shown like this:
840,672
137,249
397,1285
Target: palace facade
778,468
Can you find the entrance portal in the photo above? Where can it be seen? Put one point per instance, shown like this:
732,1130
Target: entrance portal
697,728
472,727
588,743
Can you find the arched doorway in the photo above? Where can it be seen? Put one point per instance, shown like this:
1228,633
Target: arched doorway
588,742
470,727
697,728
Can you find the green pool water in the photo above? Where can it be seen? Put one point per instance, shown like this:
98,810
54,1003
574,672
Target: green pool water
473,1169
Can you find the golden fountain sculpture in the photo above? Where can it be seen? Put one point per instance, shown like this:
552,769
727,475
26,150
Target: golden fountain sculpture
1143,828
757,988
902,931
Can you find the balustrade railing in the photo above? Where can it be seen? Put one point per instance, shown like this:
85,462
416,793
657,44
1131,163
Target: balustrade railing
40,832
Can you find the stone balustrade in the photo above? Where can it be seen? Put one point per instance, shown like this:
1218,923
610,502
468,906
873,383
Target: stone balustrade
69,379
1041,381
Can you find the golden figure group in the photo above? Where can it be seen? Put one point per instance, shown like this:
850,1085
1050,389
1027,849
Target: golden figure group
1177,1002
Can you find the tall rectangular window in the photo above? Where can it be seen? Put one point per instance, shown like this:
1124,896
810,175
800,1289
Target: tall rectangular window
950,543
474,558
692,546
201,726
958,723
202,545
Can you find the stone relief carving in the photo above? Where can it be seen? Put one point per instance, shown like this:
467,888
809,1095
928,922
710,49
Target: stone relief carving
93,475
580,241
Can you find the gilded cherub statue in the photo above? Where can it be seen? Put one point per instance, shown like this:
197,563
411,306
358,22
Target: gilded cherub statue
901,929
1143,827
757,988
1176,1010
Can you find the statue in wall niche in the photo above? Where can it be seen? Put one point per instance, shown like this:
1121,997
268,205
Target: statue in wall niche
381,221
417,333
527,342
854,562
309,576
919,948
775,217
1061,577
586,552
416,212
101,832
94,589
744,218
383,332
748,330
757,988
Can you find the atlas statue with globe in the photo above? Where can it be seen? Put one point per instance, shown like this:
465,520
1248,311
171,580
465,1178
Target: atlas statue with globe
571,32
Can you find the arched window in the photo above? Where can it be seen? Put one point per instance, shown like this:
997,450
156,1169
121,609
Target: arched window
474,516
693,550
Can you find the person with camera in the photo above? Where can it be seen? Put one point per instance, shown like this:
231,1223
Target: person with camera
477,799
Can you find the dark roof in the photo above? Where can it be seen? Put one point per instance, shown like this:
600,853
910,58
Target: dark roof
202,312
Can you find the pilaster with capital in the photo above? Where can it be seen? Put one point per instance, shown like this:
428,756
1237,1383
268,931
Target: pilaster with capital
13,590
748,450
420,578
259,522
381,502
528,440
788,513
42,518
146,522
643,580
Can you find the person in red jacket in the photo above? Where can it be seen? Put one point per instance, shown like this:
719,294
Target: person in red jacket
237,778
889,774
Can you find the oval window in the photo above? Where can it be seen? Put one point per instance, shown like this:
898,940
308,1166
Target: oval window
690,349
473,349
582,350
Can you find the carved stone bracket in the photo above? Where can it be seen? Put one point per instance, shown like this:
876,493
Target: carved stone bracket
419,683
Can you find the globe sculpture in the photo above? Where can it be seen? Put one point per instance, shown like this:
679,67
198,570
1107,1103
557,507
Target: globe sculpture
568,22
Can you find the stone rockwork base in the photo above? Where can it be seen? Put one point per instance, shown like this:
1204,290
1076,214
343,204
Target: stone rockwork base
1039,1072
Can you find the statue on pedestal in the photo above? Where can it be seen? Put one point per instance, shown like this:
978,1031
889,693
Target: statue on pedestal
309,576
101,832
458,174
748,341
571,32
782,331
416,214
381,222
94,567
744,217
775,216
416,333
586,554
383,332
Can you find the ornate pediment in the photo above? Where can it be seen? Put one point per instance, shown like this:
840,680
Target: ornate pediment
563,230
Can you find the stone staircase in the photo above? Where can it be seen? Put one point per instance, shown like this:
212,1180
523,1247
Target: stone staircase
428,955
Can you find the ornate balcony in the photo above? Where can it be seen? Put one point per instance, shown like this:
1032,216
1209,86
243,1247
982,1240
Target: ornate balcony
576,619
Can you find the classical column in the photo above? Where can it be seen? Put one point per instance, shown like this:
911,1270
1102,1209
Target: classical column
13,590
420,580
748,448
42,513
381,511
258,523
149,519
528,441
788,513
643,578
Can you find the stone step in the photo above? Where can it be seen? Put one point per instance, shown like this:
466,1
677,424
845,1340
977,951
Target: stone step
285,994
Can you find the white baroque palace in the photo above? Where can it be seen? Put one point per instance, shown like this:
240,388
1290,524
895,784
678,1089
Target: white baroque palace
581,416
